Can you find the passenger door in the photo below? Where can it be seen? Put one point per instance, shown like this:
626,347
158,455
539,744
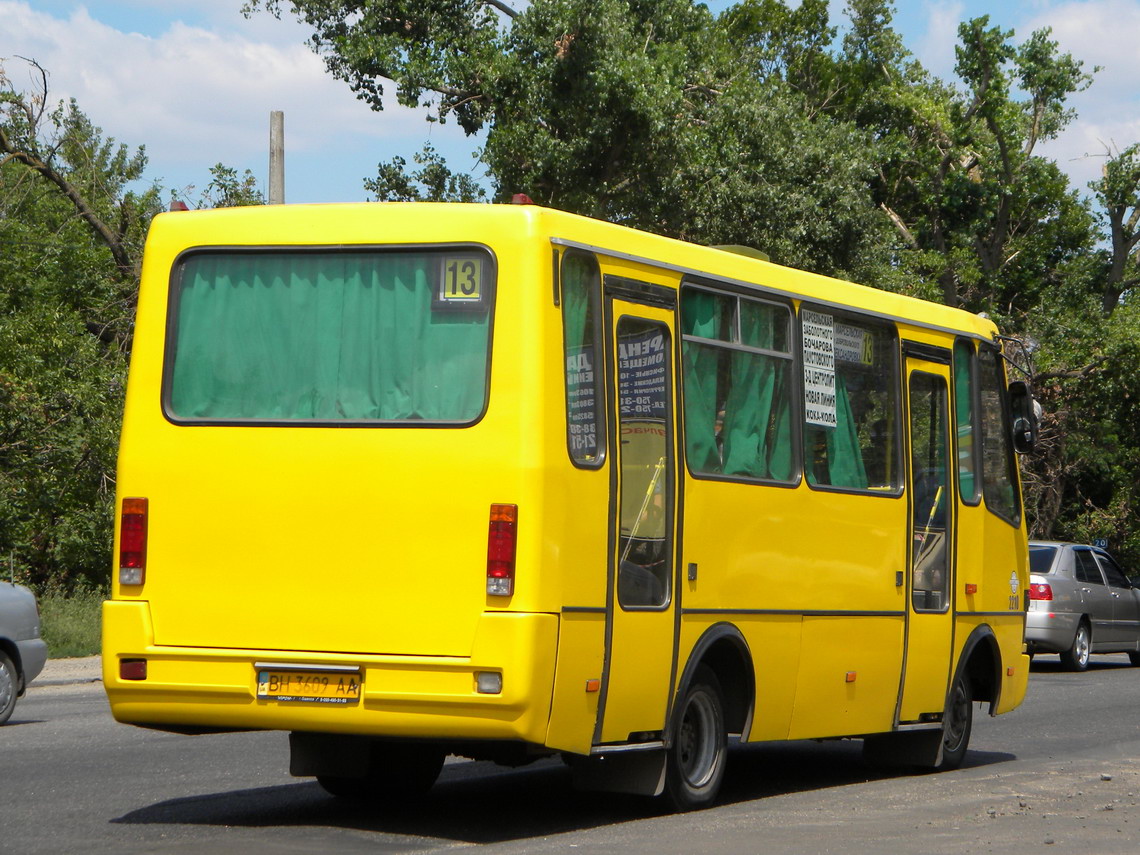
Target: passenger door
1125,604
1095,598
930,569
641,603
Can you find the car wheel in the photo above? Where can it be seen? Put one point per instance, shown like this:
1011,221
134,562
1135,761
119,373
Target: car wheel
396,771
9,687
957,723
696,760
1076,658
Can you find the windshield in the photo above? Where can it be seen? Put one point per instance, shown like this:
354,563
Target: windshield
330,336
1041,559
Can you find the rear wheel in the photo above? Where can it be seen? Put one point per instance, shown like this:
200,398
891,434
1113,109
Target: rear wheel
696,760
1076,658
957,723
396,771
9,687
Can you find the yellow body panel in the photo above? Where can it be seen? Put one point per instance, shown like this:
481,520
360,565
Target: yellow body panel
846,683
367,546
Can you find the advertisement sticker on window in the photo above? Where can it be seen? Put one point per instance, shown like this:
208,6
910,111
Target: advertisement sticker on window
819,368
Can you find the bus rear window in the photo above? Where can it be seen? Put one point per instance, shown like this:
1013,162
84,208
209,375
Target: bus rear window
329,336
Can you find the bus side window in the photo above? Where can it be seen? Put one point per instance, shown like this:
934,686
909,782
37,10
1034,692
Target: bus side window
999,465
851,403
737,362
581,292
965,383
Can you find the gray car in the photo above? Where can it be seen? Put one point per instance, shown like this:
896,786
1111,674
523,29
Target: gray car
22,651
1080,602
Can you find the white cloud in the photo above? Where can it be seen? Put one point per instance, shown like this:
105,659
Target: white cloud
935,48
1104,33
196,95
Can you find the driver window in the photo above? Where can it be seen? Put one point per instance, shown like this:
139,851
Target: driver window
1112,572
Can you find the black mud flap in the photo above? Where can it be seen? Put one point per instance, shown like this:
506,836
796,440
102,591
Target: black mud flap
640,773
909,748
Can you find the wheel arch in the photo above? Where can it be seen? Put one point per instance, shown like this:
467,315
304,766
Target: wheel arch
981,661
9,647
723,648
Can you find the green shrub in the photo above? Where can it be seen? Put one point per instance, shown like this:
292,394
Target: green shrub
71,623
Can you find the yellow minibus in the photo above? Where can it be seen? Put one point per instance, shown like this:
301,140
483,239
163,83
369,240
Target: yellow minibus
411,480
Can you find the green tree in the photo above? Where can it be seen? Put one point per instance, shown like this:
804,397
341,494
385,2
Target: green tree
652,114
976,211
1118,192
228,189
71,234
72,227
432,182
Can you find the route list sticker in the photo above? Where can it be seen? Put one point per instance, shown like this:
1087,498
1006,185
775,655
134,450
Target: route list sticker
819,368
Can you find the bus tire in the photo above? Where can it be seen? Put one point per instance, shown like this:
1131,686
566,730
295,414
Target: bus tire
1076,658
957,722
697,756
396,771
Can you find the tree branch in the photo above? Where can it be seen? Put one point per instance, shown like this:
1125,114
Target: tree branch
900,225
502,7
1071,374
122,258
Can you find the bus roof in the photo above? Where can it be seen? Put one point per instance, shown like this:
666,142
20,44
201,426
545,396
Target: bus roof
414,223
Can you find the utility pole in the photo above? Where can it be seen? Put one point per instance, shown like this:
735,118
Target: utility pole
276,157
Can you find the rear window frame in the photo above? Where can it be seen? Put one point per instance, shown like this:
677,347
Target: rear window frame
1053,551
170,341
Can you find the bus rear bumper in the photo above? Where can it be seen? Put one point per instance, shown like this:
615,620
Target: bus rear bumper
428,697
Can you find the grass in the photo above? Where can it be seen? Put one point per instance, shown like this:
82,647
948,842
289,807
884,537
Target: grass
71,624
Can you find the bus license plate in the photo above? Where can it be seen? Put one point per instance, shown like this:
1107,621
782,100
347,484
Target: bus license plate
311,687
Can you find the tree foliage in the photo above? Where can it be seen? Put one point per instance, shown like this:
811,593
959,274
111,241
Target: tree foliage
432,182
74,211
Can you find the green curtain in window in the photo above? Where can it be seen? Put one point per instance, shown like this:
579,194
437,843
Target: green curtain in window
963,407
575,301
701,317
779,450
583,393
844,456
757,441
323,336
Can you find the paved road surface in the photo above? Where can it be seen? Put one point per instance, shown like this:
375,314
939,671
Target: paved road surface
1059,775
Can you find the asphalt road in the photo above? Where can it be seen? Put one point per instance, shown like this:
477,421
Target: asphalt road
1060,774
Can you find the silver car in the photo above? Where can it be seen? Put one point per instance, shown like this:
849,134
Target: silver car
1080,602
22,651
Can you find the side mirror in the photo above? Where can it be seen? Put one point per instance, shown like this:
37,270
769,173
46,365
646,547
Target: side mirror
1024,410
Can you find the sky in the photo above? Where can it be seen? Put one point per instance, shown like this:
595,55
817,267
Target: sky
195,82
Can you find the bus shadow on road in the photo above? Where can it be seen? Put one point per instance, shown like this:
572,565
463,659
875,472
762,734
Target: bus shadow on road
480,803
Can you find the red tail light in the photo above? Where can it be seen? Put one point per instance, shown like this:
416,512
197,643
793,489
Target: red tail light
502,539
1040,591
132,542
132,669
